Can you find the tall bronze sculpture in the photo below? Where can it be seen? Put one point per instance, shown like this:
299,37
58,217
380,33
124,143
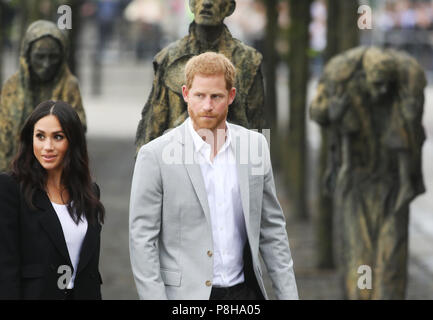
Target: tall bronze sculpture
371,102
43,75
165,107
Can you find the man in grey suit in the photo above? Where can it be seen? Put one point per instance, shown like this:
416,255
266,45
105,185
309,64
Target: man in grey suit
203,202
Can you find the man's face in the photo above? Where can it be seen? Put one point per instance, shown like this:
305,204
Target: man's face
210,12
45,58
208,101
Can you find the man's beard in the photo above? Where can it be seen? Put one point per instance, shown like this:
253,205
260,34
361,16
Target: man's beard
207,123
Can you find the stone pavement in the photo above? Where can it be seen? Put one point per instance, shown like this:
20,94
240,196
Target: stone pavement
112,120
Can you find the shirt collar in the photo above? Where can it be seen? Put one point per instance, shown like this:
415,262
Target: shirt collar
199,143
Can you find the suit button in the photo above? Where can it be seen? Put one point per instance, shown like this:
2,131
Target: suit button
209,253
208,283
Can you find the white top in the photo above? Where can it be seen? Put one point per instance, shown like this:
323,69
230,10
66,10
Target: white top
74,235
226,213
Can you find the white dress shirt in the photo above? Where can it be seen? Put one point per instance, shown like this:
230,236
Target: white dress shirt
74,236
226,213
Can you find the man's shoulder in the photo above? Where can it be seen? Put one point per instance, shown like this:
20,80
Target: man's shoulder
239,130
247,138
156,145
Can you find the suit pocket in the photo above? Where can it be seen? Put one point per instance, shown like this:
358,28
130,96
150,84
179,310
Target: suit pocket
32,271
170,277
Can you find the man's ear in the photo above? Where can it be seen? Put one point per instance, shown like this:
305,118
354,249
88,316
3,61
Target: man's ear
185,93
232,7
232,95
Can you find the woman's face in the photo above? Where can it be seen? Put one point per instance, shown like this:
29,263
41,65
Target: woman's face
50,143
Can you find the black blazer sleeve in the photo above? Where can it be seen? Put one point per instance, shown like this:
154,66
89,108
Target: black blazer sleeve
9,238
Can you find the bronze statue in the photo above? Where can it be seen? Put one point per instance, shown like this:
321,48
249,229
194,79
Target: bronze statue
165,107
43,75
371,102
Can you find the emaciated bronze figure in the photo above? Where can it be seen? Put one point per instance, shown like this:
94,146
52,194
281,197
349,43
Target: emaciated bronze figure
43,75
165,107
371,102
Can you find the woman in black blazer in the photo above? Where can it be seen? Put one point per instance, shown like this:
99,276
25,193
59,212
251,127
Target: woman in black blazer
50,213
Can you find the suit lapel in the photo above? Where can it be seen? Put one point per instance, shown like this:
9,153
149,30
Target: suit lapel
89,245
242,168
245,190
193,168
51,224
196,176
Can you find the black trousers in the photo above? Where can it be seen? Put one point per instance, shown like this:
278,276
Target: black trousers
238,292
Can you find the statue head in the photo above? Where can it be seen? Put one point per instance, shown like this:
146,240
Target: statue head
45,57
44,50
211,12
380,72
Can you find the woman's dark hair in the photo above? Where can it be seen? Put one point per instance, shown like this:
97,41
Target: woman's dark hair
83,198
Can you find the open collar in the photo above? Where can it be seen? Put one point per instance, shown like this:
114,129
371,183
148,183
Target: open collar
52,226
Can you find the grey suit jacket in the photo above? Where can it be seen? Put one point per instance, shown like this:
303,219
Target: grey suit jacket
170,236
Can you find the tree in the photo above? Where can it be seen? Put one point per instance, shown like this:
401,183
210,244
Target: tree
6,18
1,43
298,78
74,34
270,63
